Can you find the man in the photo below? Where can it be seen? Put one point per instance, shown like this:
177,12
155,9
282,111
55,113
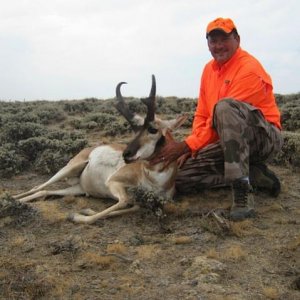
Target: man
236,125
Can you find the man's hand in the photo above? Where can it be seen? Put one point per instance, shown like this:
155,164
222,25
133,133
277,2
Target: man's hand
170,152
182,159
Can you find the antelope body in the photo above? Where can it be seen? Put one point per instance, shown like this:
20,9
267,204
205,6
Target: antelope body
107,171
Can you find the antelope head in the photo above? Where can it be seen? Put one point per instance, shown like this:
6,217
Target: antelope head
151,134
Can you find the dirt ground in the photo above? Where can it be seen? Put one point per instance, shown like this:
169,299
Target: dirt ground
190,254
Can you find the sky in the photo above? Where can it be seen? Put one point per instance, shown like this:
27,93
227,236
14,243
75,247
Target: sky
76,49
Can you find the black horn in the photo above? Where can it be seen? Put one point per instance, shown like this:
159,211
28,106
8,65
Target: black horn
153,87
150,102
123,108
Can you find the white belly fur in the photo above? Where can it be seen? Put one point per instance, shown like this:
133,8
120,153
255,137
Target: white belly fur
104,161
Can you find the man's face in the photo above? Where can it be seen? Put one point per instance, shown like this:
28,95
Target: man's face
222,46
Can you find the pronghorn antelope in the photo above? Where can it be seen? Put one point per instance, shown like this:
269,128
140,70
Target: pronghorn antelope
109,170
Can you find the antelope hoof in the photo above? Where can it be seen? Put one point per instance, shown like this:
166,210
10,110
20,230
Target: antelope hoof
78,218
70,217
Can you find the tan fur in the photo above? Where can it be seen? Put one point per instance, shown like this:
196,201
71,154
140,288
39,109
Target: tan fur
82,155
118,147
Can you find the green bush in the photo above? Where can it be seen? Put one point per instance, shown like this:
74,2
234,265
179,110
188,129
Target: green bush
49,162
117,128
32,147
22,143
74,123
63,135
15,131
75,107
290,116
11,161
50,114
102,119
33,112
290,152
136,106
289,106
23,117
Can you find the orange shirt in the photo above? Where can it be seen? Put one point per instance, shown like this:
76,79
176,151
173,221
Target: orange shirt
242,78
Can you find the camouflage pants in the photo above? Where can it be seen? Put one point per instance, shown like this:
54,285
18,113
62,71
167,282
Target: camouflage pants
245,138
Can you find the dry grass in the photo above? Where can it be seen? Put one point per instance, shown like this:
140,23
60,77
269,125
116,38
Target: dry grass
24,278
78,203
294,244
181,240
147,251
212,253
5,220
91,259
129,285
273,207
69,199
178,209
51,212
243,228
18,241
116,248
234,252
271,293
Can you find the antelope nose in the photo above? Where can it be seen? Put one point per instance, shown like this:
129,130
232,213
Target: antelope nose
126,155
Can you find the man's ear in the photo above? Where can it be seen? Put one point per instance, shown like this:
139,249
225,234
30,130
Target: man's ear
237,37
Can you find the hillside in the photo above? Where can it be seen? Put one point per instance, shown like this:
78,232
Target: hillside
189,254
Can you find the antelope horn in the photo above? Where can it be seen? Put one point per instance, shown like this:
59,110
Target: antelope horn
150,102
123,108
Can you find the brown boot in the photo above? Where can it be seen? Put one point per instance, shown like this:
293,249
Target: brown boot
243,200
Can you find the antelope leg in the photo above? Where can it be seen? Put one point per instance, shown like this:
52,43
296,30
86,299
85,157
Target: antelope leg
70,170
119,192
72,190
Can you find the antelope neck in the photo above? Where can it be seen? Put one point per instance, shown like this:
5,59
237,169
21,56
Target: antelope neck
160,143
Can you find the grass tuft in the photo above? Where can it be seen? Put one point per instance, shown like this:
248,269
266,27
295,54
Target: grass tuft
91,259
147,251
116,248
234,252
271,293
181,240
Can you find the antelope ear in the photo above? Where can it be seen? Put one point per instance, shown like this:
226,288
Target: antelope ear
179,121
172,124
164,131
168,135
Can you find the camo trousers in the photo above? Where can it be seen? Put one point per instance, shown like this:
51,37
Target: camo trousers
246,138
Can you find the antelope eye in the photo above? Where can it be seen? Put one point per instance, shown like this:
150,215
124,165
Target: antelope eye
152,130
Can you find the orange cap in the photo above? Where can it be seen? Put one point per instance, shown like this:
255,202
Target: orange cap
225,25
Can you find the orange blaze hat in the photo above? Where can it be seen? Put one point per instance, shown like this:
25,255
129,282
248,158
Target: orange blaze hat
225,25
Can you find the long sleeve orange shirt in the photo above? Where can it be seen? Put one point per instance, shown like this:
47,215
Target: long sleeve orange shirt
242,78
